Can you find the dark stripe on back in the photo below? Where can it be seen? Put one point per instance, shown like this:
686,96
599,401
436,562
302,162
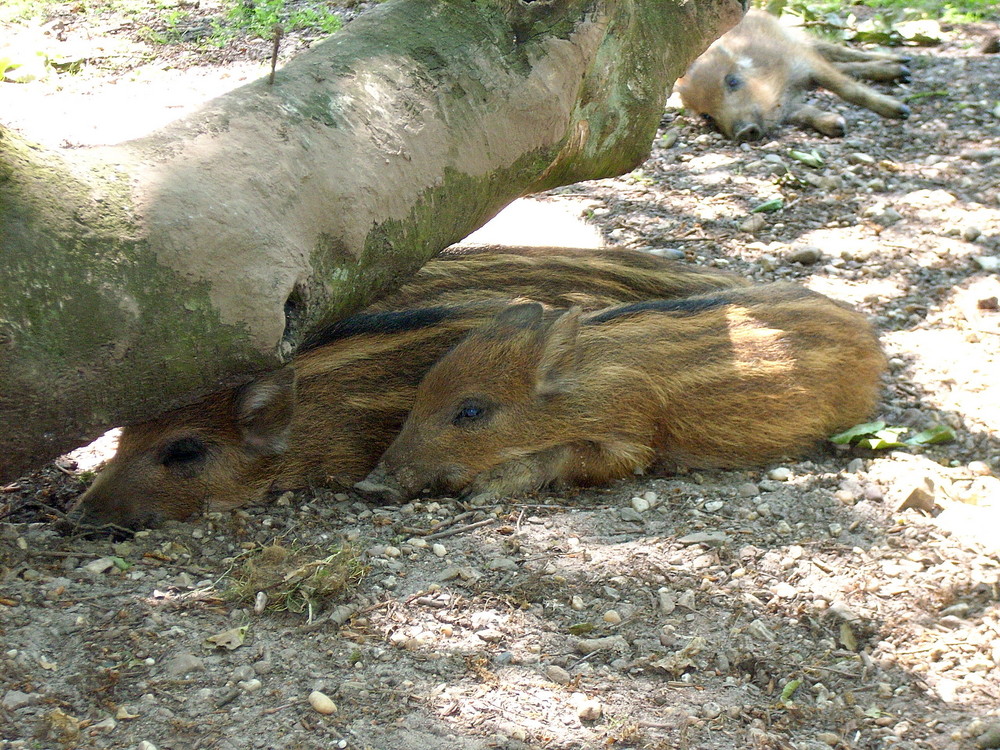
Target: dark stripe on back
395,321
685,306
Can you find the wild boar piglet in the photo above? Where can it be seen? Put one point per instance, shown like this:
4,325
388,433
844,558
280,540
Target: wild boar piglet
327,418
530,399
753,78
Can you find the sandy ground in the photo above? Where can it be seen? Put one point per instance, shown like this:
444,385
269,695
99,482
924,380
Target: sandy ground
845,601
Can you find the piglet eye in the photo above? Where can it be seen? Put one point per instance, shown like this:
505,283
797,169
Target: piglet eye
470,410
733,82
183,453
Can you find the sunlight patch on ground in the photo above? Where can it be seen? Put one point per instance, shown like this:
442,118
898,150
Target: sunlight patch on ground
72,113
854,292
935,356
552,222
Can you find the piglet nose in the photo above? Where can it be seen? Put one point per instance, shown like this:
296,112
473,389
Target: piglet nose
747,131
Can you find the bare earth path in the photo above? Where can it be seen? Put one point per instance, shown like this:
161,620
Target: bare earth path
793,607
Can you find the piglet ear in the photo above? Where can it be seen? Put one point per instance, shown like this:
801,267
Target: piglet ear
525,315
560,354
263,410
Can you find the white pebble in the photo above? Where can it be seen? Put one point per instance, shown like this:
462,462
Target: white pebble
322,703
640,504
417,542
392,552
714,506
784,590
577,604
99,566
780,474
612,617
587,709
440,550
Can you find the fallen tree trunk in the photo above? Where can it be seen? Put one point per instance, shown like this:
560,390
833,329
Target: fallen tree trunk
141,275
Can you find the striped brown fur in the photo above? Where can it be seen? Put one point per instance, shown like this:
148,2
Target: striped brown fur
739,378
331,415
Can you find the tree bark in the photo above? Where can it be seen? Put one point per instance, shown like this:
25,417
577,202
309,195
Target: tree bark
138,276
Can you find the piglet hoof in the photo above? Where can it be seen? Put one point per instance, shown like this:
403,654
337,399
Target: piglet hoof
904,75
382,493
904,112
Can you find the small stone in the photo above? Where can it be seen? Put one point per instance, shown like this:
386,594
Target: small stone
806,255
587,709
753,224
392,552
714,506
971,233
96,567
322,703
105,725
609,643
576,603
502,563
711,710
249,686
780,474
640,504
15,699
860,158
146,745
669,138
961,609
888,217
612,617
490,635
748,489
260,602
829,738
988,262
665,601
709,538
784,590
557,674
759,630
989,739
183,664
630,514
439,549
672,253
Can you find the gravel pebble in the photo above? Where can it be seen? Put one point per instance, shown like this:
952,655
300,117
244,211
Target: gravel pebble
322,703
587,709
557,674
15,699
183,663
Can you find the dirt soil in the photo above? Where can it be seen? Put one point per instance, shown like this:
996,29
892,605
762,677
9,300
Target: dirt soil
846,601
